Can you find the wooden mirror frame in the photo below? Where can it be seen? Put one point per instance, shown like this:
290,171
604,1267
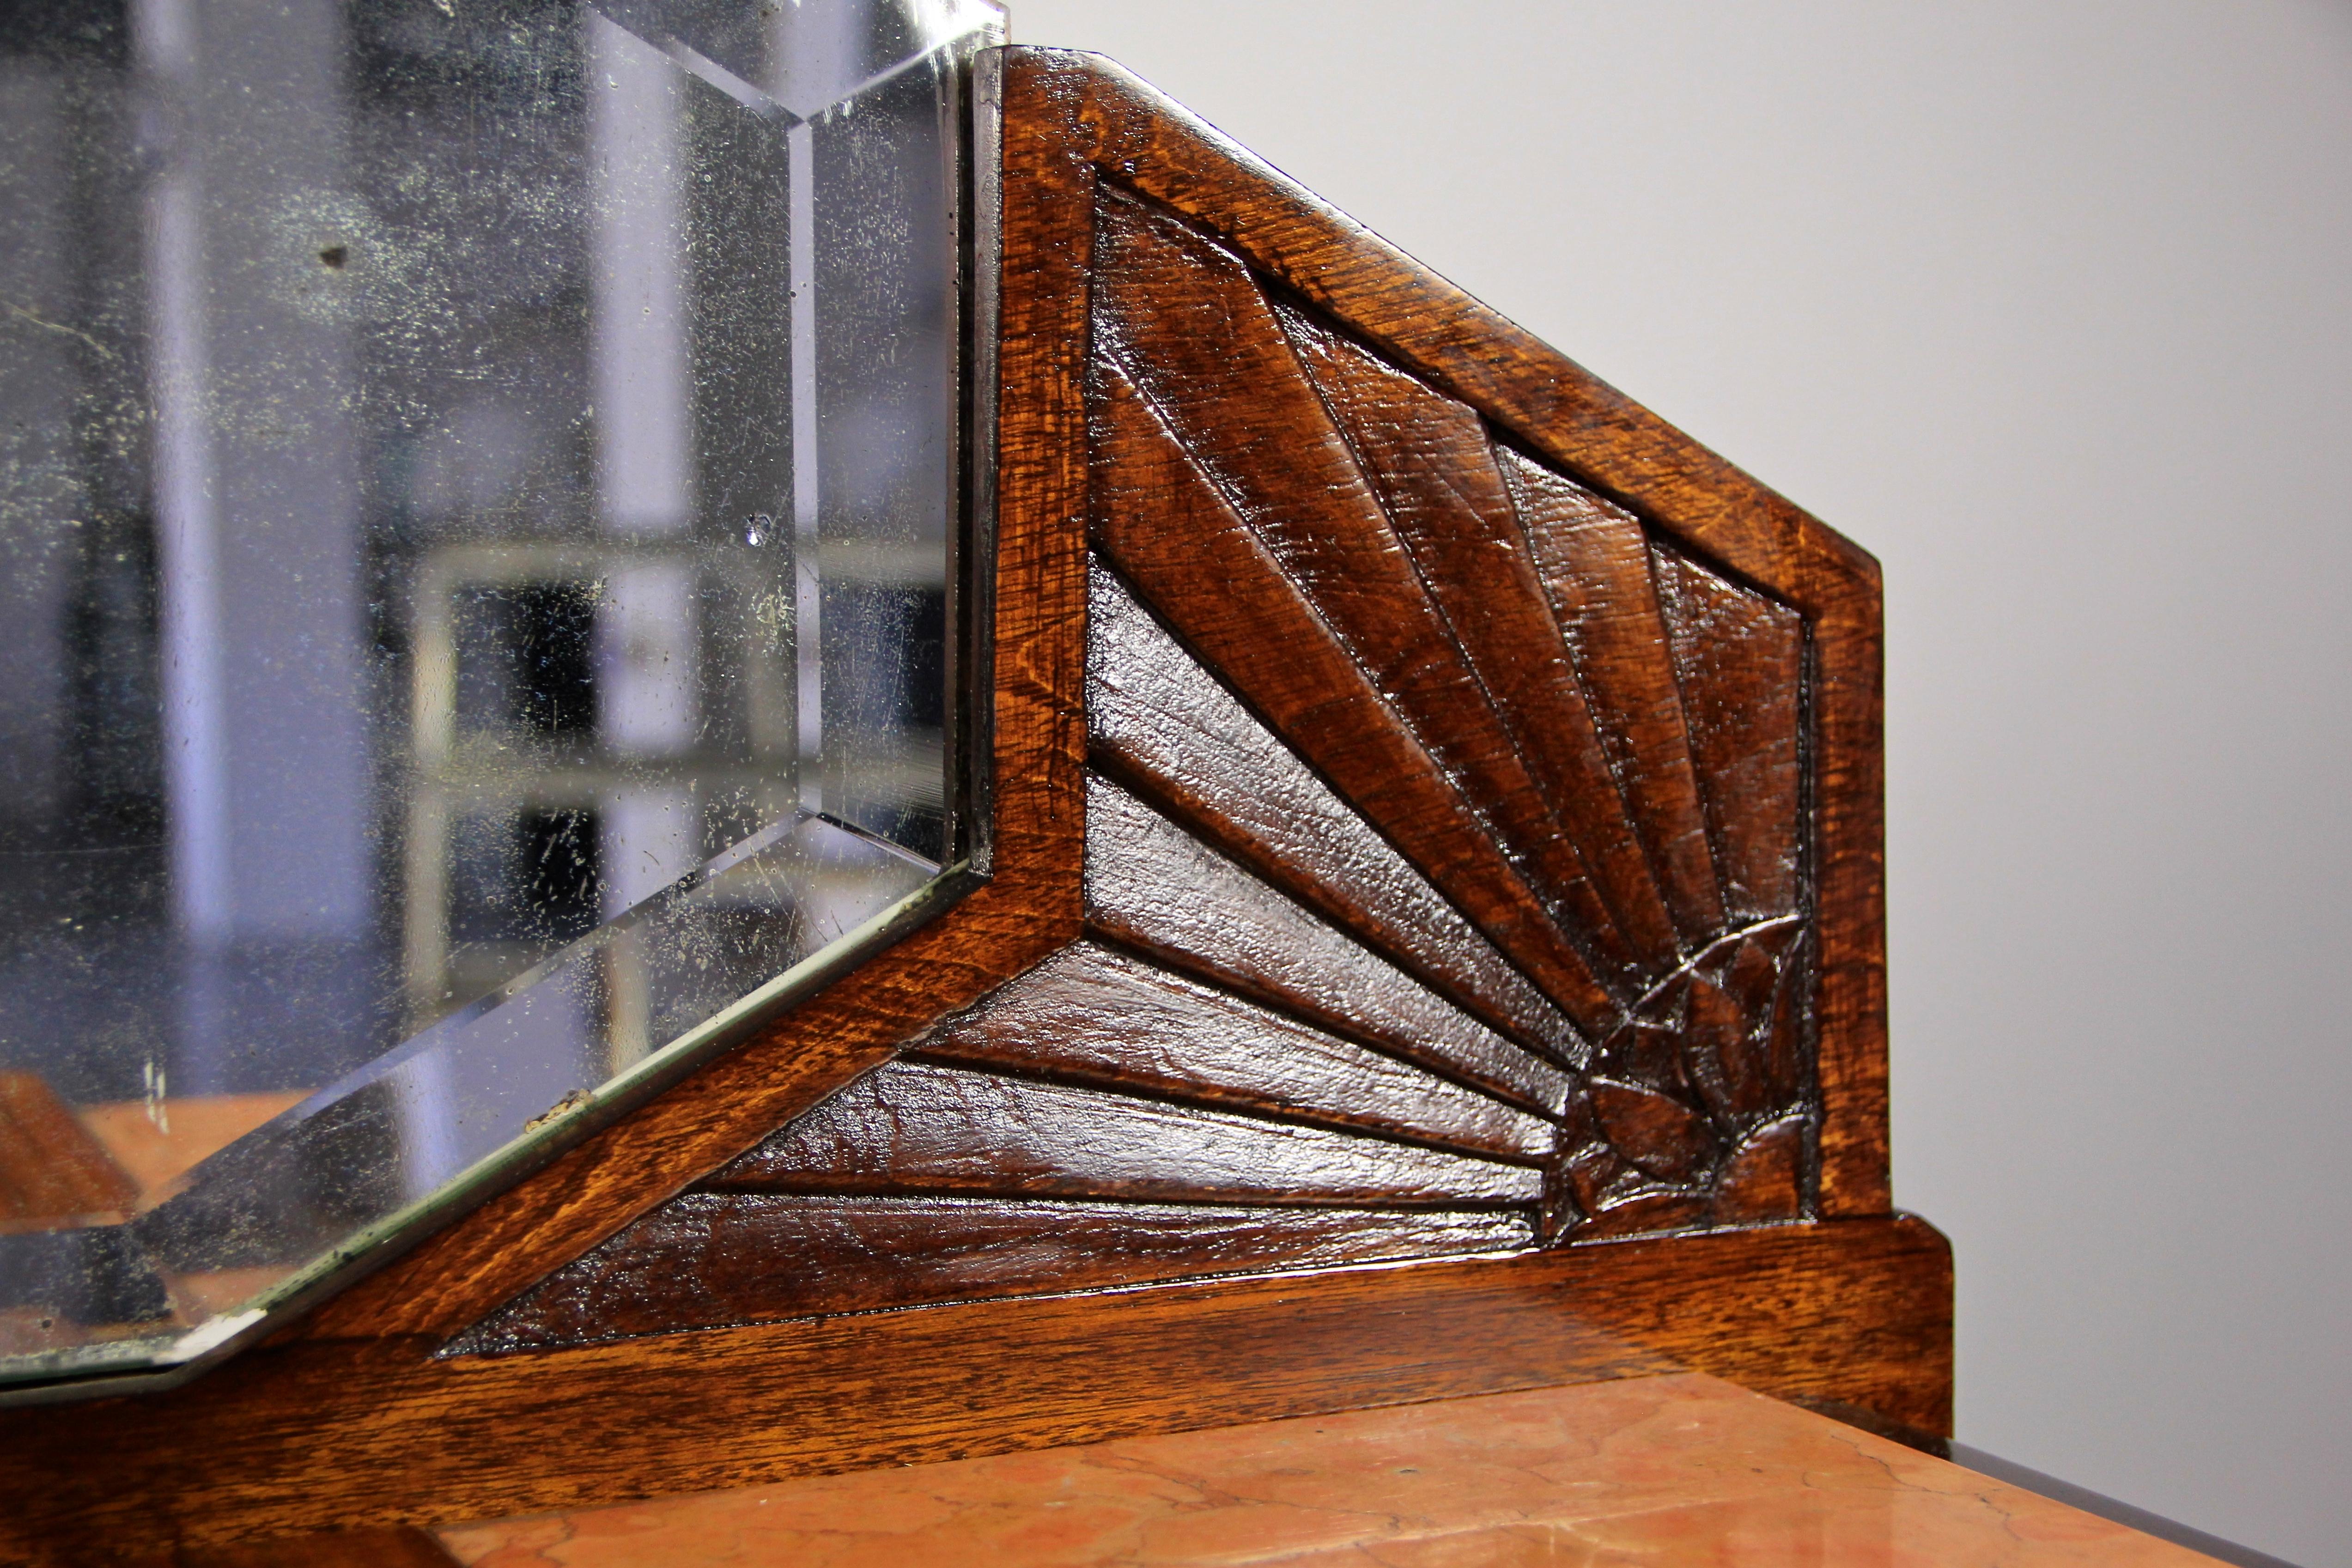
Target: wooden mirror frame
353,1416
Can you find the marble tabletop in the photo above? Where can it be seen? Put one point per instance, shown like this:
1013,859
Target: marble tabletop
1678,1467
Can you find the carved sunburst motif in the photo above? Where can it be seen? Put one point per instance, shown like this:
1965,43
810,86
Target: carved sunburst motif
1581,739
1444,877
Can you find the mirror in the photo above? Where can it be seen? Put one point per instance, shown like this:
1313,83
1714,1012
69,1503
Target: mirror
479,501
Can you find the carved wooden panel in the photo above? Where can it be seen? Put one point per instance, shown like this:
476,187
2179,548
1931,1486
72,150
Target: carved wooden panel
1437,812
1445,882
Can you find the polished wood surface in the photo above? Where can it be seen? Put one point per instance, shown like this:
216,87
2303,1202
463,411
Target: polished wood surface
913,1126
730,1257
1098,1015
1189,351
1392,804
1428,458
1196,562
1545,405
1151,885
310,1435
1163,728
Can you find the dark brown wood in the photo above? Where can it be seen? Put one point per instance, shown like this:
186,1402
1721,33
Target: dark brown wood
1763,1180
910,1127
402,1546
1565,416
1594,560
1184,323
724,1259
1741,1049
1739,664
1428,458
1151,884
1490,606
54,1174
1164,726
352,1419
1656,1132
1196,562
1089,1014
1699,1111
1857,1312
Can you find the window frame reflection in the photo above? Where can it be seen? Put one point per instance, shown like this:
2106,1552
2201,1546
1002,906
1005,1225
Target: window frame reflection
620,780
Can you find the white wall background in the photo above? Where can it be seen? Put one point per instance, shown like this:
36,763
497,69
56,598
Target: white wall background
2049,303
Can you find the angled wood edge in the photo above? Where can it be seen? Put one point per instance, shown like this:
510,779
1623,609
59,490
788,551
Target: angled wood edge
1138,137
1125,133
1028,909
1857,1312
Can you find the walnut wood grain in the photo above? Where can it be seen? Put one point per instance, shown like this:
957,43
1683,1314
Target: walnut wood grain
1164,726
54,1172
1857,1312
1090,1015
1150,883
1569,418
367,1429
1763,1179
908,1127
1739,664
1185,324
1193,560
1428,458
722,1258
1595,563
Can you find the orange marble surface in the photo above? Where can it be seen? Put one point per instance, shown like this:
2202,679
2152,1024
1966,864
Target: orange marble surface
1679,1468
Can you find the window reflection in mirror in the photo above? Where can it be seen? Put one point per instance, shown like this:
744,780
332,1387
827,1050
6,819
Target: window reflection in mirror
476,486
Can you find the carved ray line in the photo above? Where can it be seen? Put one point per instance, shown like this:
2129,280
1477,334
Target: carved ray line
1429,459
1710,953
1174,536
1151,884
1187,326
912,1127
1595,562
1094,1016
1156,717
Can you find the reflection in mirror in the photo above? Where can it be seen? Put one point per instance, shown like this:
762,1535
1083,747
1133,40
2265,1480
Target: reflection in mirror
476,496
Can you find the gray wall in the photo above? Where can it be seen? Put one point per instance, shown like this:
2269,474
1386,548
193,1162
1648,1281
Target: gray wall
2050,305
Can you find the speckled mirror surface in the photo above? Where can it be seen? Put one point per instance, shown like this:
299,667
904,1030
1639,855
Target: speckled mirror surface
478,490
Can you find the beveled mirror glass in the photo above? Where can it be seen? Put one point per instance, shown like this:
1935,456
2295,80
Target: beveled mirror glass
479,486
